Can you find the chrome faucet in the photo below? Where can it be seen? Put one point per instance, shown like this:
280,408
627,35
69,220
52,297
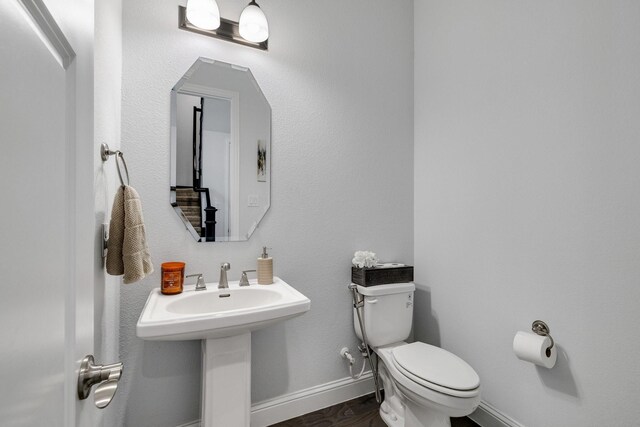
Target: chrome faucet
223,283
200,286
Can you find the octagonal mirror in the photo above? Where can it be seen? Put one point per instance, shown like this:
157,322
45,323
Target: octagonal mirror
220,152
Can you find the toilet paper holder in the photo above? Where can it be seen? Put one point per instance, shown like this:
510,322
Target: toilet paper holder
541,328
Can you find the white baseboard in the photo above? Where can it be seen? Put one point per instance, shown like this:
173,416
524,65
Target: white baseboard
489,416
302,402
311,399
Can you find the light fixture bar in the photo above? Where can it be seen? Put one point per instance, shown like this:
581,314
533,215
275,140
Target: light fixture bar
228,31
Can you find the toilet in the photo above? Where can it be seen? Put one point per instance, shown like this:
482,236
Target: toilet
423,385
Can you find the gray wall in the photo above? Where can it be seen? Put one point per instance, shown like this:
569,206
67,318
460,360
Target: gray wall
527,199
341,92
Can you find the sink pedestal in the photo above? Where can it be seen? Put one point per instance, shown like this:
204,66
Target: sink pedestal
226,381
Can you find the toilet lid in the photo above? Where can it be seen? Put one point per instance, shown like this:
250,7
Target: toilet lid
437,366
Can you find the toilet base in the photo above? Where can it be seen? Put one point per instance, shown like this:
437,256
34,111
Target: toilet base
391,408
391,420
390,417
413,417
419,416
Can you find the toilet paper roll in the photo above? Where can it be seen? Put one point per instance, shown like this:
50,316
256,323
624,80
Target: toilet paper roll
532,347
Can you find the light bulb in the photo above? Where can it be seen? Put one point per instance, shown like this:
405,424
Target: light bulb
203,14
253,24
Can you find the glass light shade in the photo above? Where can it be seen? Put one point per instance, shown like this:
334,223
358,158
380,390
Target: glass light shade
253,24
203,14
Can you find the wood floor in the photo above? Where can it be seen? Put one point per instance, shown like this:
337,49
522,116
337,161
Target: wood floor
360,412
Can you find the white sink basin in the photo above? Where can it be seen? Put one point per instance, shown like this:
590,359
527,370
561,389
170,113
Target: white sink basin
208,314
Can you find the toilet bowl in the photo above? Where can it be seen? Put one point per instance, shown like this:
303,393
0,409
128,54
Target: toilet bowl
427,403
424,385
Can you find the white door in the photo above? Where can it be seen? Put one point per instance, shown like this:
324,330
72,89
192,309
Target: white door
46,298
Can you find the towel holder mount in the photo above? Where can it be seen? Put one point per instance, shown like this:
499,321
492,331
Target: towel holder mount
105,152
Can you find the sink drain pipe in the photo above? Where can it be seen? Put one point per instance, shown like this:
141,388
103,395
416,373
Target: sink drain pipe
358,304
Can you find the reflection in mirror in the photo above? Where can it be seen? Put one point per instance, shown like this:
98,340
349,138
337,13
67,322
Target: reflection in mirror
220,152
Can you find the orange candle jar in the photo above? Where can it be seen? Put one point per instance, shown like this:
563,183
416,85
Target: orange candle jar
172,278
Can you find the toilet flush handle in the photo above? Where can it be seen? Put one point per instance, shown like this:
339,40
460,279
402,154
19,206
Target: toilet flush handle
371,300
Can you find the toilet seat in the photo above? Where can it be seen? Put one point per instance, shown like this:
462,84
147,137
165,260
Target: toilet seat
436,369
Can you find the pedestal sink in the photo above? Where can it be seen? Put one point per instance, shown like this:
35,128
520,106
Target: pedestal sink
223,319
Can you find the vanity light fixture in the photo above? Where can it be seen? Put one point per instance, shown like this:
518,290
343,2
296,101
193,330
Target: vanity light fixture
203,17
203,14
253,24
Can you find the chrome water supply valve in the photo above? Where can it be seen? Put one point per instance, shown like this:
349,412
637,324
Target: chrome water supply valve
344,353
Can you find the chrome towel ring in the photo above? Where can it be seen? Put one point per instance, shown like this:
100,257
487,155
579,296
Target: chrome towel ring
105,152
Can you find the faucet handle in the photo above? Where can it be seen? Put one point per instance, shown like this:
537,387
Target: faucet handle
200,286
244,280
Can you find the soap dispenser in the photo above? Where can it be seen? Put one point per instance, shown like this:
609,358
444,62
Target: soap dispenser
265,268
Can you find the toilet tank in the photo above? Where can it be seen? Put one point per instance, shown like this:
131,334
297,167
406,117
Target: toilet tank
387,313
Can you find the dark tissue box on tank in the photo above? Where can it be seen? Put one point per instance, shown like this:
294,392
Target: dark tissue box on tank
372,276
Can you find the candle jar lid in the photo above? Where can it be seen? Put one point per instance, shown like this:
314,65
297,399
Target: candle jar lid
173,266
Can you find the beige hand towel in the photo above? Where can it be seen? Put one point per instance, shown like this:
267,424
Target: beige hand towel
128,253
